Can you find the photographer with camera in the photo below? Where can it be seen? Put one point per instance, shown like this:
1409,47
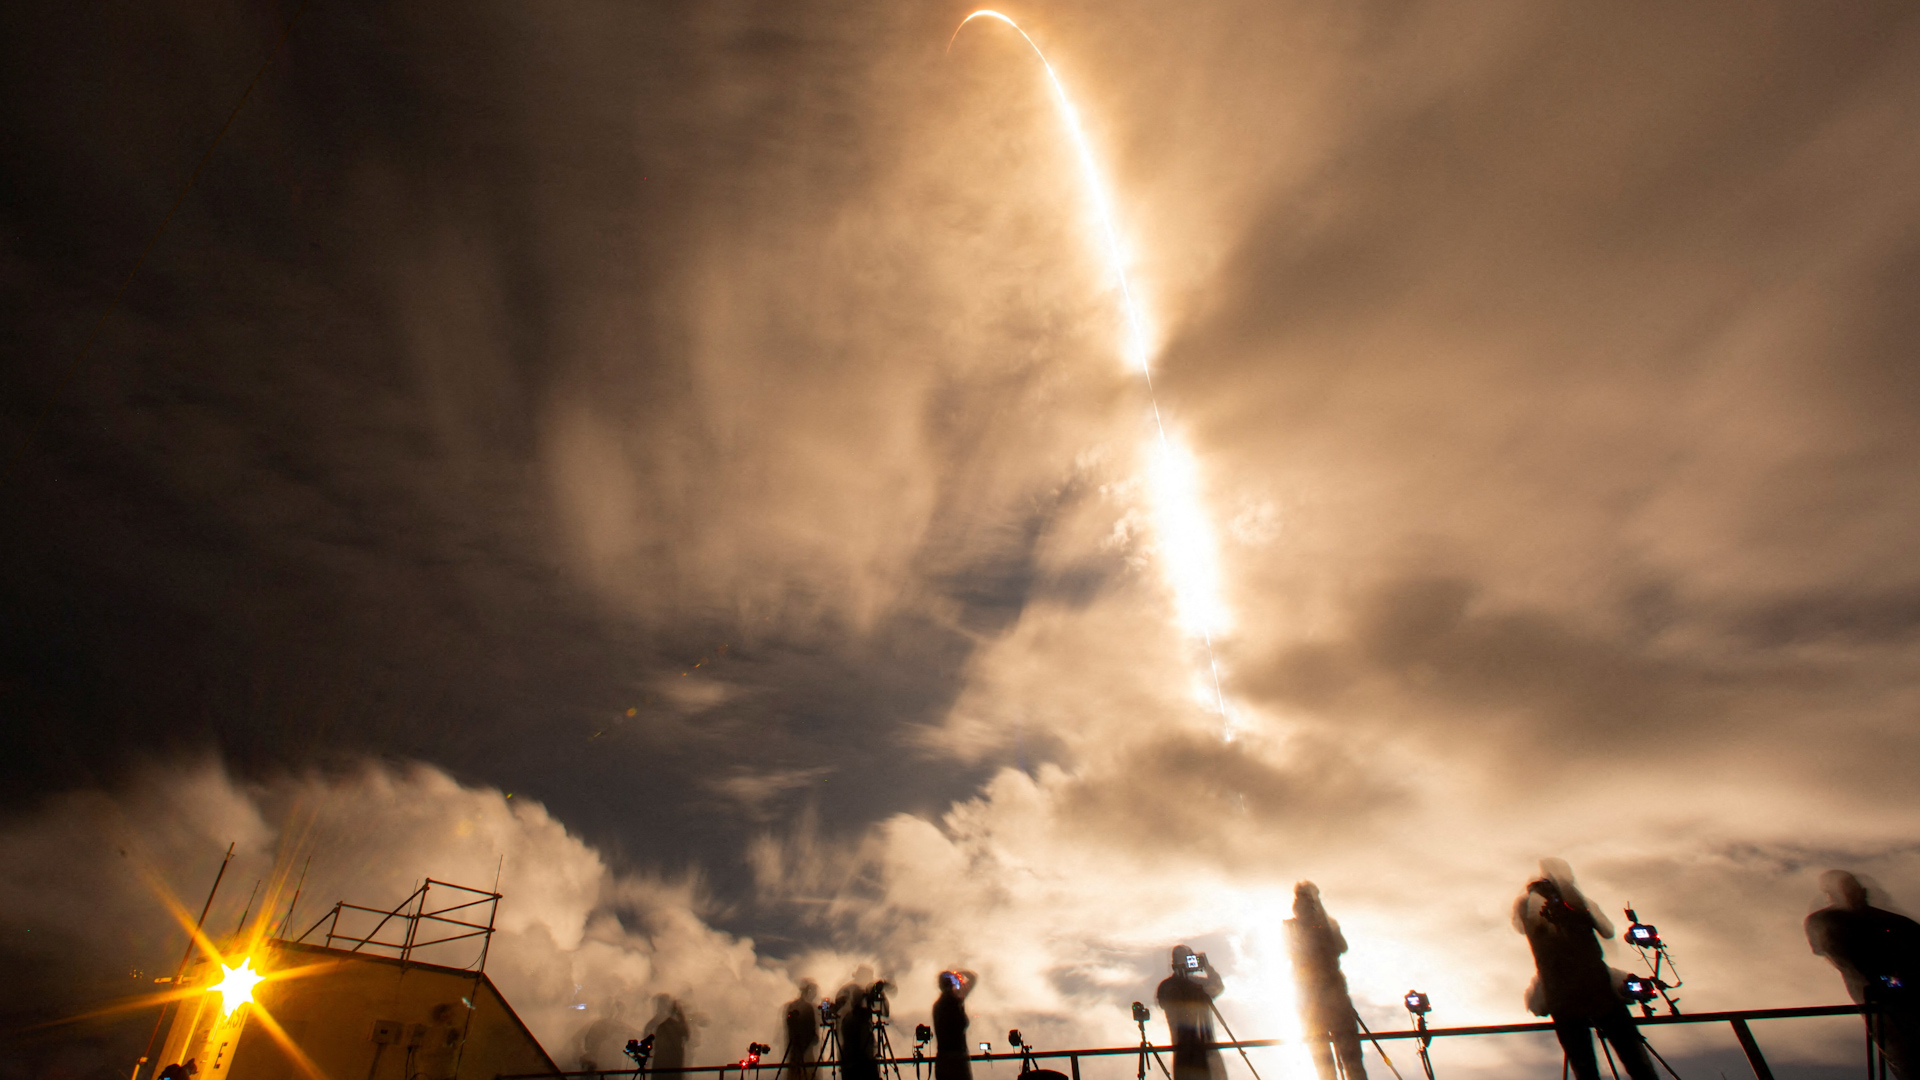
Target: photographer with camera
1573,983
1186,998
951,1060
854,1008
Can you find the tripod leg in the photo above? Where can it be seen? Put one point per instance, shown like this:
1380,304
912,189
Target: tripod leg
1235,1039
1377,1046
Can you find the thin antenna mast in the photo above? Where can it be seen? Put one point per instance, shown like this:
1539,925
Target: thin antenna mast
295,902
184,957
248,910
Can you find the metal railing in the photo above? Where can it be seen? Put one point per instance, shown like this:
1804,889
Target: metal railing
1736,1019
412,926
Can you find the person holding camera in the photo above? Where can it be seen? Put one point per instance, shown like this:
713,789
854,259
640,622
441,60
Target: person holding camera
1186,998
1573,983
951,1059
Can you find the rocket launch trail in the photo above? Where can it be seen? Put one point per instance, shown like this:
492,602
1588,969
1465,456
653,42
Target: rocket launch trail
1185,535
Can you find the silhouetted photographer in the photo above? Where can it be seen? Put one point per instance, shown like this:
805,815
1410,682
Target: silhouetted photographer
1878,954
854,1011
802,1034
669,1033
1326,1009
1573,983
951,1059
1186,998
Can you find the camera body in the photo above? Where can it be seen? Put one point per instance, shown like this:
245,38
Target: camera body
1140,1013
1417,1003
1640,990
922,1033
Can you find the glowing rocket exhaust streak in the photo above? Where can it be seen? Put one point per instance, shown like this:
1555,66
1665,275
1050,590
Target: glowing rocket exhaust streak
1186,538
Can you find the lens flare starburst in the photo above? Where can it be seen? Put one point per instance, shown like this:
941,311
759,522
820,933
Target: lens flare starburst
1187,554
236,989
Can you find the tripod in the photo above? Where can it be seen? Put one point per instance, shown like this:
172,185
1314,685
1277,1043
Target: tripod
1140,1018
920,1036
830,1037
1426,1062
883,1046
1646,939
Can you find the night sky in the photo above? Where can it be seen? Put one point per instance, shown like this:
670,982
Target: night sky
708,425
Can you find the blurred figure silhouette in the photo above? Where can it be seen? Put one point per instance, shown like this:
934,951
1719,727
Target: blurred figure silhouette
670,1032
1186,997
1326,1010
803,1033
601,1040
1878,954
1573,983
951,1058
853,1010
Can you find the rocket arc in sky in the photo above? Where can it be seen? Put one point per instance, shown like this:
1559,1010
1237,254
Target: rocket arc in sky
1187,553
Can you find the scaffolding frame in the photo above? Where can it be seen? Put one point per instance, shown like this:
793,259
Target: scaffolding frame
411,915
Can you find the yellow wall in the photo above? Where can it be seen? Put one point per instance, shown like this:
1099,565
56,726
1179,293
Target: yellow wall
356,1017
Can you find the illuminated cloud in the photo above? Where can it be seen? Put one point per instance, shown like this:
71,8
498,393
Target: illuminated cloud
1546,376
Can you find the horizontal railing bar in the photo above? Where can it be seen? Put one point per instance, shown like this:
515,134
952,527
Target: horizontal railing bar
1248,1044
468,888
456,907
442,941
454,922
368,940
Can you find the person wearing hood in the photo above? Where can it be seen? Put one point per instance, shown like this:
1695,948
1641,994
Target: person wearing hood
1572,983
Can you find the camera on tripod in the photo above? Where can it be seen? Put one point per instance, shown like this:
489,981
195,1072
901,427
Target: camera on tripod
1640,990
1641,934
1140,1013
877,1004
640,1050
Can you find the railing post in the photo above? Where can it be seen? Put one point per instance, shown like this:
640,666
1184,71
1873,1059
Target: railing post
1073,1065
1754,1057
